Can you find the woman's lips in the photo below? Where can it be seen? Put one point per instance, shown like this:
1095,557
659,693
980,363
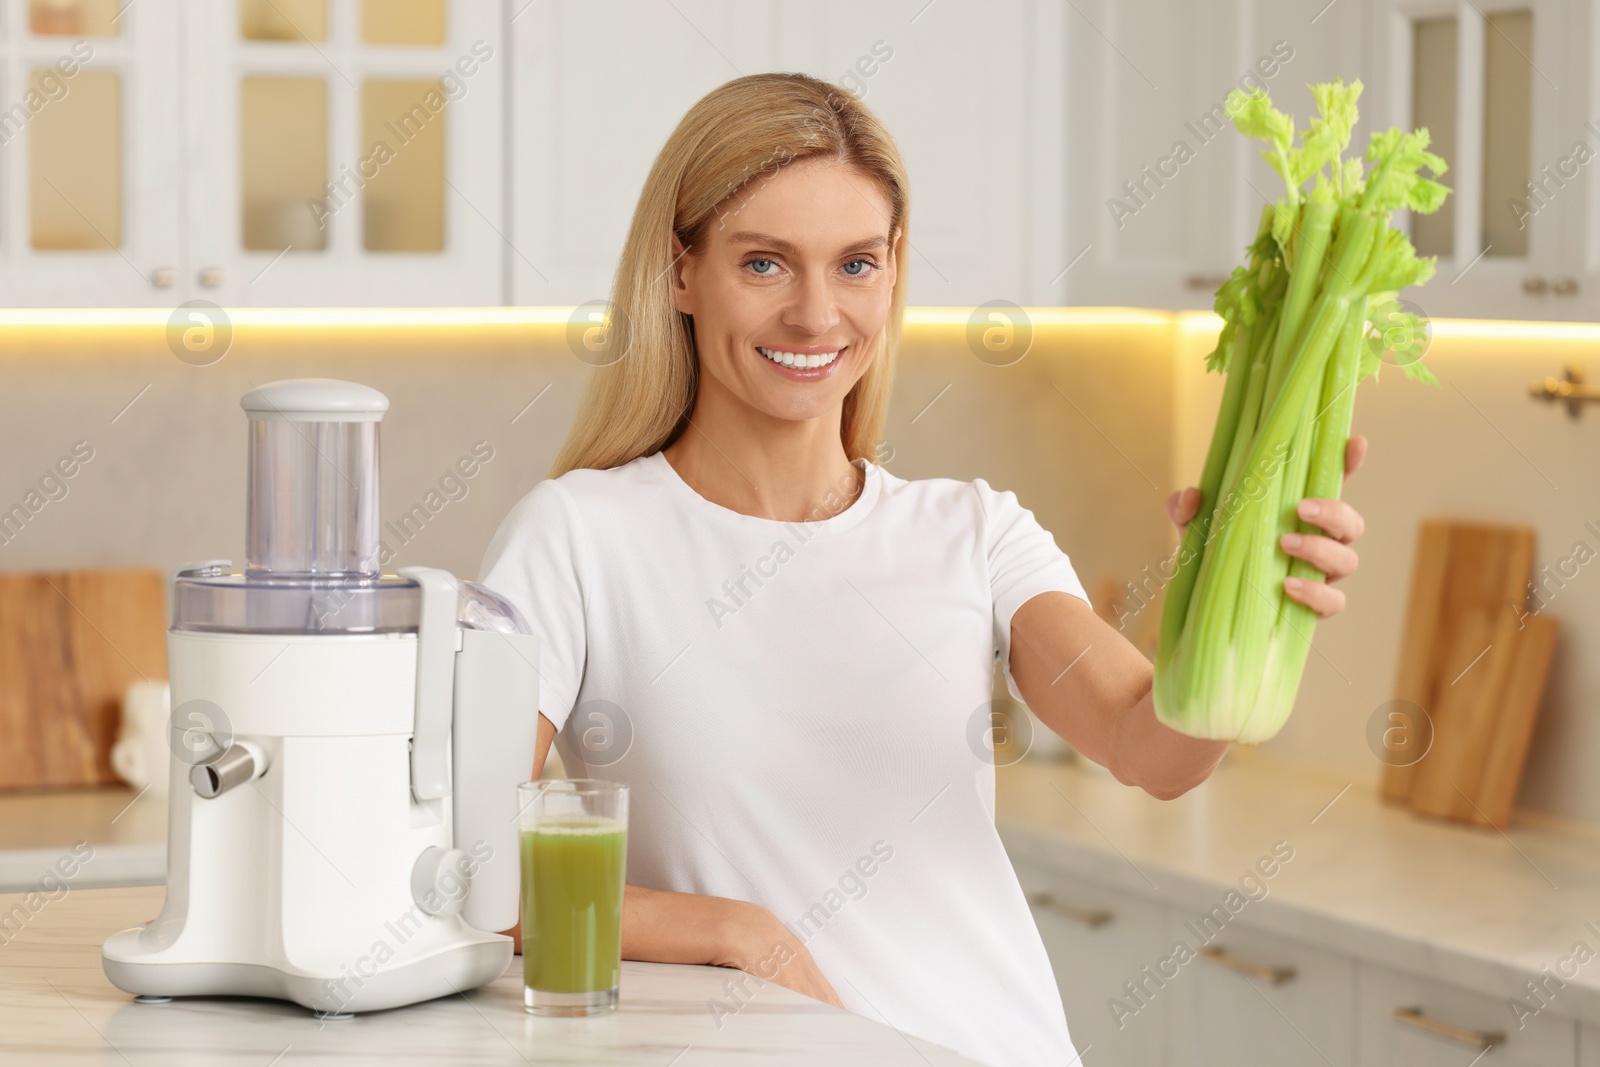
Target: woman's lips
796,363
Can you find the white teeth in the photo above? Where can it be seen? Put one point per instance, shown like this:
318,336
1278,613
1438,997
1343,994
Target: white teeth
797,359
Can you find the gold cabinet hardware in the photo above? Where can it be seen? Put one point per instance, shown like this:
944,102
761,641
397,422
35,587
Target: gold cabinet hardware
1478,1039
1570,389
1265,971
1090,917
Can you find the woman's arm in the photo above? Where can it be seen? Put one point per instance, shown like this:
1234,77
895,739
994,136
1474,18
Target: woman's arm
665,927
1088,683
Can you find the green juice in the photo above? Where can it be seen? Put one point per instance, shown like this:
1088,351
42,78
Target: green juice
572,878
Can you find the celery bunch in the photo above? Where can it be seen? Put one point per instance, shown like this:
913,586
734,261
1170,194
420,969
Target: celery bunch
1309,317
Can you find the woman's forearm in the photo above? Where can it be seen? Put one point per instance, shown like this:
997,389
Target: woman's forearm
1162,761
666,927
1088,684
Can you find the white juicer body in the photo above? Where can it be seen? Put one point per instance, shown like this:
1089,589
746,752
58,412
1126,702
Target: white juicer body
349,842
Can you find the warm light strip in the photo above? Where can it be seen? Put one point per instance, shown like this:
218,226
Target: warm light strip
379,318
514,317
1042,316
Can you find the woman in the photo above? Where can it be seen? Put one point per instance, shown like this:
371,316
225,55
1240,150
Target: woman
798,645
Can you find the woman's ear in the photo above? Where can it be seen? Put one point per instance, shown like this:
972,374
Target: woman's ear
680,277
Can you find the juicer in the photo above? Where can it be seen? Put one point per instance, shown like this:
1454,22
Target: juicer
342,808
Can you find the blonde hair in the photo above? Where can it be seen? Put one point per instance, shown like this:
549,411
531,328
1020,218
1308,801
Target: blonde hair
641,400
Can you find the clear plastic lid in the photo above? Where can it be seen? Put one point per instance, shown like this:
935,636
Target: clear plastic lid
208,599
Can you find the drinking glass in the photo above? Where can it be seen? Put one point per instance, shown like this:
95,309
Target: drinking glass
574,849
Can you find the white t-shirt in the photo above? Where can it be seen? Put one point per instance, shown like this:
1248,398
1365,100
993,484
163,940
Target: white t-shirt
800,712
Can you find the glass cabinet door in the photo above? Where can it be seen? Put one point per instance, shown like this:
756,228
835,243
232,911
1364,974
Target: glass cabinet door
89,180
350,151
1500,86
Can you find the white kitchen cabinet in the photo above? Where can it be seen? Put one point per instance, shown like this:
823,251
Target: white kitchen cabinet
1506,88
1165,194
1406,1021
973,94
350,168
1256,998
89,173
1098,939
190,153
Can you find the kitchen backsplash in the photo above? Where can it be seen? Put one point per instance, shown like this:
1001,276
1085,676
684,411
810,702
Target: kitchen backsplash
133,457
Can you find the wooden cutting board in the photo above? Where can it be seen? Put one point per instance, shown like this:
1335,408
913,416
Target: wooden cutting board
1507,754
1462,570
1476,664
70,642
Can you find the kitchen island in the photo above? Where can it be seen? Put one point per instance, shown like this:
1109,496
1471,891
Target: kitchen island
57,1008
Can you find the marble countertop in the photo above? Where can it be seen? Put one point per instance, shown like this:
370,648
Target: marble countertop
57,1008
126,828
1472,907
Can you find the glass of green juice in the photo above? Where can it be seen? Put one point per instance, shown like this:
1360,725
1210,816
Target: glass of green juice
574,851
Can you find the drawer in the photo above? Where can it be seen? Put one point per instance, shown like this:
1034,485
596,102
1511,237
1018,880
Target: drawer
1099,938
1260,999
1406,1021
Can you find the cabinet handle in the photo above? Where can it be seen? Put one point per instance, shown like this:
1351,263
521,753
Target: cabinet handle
163,277
1265,971
1534,284
1209,282
211,277
1564,286
1479,1039
1090,917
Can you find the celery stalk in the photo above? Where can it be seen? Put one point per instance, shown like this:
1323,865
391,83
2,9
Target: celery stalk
1233,645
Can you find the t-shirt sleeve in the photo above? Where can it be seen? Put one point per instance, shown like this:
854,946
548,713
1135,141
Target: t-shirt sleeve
535,561
1024,561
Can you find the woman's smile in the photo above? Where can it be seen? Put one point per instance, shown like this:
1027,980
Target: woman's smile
803,363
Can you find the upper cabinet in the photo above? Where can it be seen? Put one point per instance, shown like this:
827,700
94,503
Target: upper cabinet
1505,91
89,141
1166,195
974,95
479,152
252,152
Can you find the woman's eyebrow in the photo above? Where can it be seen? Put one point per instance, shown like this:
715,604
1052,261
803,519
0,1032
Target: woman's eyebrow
778,244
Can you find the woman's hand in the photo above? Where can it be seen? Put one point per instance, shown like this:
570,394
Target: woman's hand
1331,554
761,945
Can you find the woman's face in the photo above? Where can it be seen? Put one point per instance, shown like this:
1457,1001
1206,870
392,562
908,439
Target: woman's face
790,288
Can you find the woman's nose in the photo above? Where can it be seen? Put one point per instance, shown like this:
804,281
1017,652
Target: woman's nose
813,308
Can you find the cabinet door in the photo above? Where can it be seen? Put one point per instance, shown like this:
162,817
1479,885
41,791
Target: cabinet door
1098,940
1502,87
974,99
1256,998
1143,187
594,97
90,184
346,152
1404,1021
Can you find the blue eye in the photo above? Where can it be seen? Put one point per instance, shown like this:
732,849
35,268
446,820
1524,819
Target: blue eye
865,265
754,265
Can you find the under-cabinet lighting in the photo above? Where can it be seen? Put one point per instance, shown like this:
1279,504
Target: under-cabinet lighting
380,318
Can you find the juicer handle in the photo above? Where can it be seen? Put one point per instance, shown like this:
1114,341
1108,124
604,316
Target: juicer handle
493,739
436,664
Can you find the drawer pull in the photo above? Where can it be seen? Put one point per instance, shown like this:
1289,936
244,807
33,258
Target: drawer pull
1090,917
1264,971
1479,1039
